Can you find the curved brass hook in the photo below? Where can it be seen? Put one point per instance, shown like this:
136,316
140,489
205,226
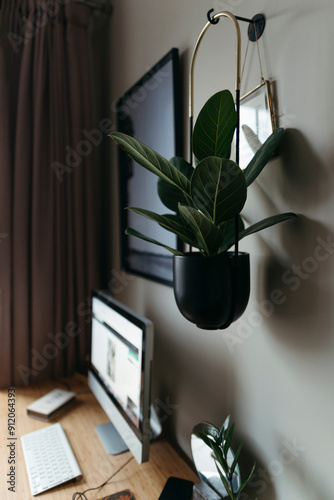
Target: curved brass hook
215,19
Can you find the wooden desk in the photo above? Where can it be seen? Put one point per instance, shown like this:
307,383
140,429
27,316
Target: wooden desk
146,481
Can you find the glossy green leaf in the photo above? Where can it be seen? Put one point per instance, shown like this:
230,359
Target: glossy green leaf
170,222
212,438
243,484
215,126
132,232
183,166
235,461
226,484
228,439
262,156
219,457
212,431
225,425
218,188
259,226
267,222
152,161
206,440
208,236
169,194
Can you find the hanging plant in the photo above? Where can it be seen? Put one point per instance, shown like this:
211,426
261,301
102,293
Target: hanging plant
211,285
205,199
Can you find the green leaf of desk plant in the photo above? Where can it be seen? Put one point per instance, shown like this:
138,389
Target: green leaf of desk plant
220,457
235,461
170,222
218,188
208,236
215,126
249,475
262,156
152,161
228,439
212,439
132,232
204,438
225,425
226,484
213,432
169,194
258,226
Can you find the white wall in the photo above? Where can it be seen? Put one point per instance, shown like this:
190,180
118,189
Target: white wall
273,369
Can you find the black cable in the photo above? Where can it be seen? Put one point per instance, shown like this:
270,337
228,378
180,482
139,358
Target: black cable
81,496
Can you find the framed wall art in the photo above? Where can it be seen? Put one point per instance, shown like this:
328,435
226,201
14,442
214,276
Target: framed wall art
257,121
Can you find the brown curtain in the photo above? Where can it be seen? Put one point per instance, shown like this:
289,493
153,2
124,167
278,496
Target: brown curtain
49,250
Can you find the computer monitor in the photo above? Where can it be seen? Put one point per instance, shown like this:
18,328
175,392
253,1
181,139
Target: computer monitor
120,374
151,112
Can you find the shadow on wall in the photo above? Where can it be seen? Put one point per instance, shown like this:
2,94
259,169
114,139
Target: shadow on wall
309,481
288,460
296,176
291,460
261,484
196,380
301,288
201,386
306,179
295,292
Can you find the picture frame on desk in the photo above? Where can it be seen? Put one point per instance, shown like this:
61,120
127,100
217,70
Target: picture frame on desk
149,111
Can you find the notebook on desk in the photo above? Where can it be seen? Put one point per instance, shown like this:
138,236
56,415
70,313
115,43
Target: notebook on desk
51,404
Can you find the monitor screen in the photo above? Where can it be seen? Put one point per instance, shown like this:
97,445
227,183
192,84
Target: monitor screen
120,371
150,112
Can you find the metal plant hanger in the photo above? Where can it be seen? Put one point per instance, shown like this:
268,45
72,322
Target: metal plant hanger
255,30
212,284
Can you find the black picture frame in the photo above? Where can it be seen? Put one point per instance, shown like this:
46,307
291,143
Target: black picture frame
149,111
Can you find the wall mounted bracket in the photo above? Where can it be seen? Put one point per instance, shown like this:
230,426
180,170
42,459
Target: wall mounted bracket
256,27
256,24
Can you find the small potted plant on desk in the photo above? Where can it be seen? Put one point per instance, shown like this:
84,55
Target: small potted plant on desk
211,285
219,471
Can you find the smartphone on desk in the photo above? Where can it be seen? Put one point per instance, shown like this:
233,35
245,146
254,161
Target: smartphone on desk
177,489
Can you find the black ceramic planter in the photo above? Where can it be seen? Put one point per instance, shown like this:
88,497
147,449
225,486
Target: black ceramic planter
211,292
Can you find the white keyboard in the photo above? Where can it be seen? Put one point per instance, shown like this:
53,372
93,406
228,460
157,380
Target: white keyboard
49,458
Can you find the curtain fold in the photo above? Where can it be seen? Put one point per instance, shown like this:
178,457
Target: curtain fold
48,243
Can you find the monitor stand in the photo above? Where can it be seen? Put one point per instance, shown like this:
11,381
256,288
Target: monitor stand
110,438
112,441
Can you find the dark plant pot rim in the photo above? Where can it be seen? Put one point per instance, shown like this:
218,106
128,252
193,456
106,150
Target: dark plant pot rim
199,254
212,292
